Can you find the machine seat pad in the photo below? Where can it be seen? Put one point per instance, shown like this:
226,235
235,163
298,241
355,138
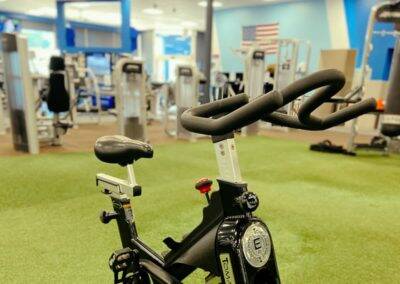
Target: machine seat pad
121,150
58,99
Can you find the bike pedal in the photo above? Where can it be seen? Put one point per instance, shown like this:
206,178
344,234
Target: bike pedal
121,259
124,264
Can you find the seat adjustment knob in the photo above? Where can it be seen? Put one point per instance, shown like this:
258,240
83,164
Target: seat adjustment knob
106,217
248,201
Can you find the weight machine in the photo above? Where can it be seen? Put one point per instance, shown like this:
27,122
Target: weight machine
288,69
2,116
82,86
254,77
131,104
387,12
186,95
28,129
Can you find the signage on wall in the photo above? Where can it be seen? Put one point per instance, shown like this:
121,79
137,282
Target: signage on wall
177,45
38,39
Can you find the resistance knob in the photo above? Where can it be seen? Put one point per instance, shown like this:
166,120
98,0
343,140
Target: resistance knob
106,217
248,201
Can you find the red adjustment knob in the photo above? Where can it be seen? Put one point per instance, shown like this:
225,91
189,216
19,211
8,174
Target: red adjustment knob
204,185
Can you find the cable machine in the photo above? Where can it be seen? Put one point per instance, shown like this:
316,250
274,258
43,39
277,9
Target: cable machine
131,105
387,12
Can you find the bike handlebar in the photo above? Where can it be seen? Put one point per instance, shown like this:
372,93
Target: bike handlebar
331,82
223,116
238,111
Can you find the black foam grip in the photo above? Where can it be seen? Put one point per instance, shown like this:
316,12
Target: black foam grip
329,82
286,121
345,114
220,106
198,119
333,119
331,79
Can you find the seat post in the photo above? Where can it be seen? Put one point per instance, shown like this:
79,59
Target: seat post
227,158
131,175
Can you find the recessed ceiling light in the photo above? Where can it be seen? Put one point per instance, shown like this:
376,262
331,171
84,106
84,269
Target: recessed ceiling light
80,5
153,10
189,24
44,11
101,17
216,4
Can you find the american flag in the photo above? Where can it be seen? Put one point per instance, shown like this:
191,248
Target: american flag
263,35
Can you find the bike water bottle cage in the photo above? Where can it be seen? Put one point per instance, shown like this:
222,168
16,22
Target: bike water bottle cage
121,150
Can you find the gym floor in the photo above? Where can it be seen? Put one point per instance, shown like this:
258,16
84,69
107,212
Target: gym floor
334,219
83,138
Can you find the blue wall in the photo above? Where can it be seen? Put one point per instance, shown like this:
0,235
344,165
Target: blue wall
357,14
305,20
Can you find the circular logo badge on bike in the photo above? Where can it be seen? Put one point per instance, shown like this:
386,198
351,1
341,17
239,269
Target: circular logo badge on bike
256,245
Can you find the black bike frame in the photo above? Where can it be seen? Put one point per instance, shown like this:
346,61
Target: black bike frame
224,222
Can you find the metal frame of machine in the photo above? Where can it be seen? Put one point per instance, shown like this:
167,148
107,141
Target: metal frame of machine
130,93
286,72
28,128
254,77
75,72
383,12
20,100
230,243
2,116
186,91
359,92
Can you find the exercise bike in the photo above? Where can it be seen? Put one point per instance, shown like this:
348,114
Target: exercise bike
231,244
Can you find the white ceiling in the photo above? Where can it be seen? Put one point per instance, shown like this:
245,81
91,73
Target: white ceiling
176,13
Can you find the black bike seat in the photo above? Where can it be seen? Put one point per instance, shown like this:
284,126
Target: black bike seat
121,150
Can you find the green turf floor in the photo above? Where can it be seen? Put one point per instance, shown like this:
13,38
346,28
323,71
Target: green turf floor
334,219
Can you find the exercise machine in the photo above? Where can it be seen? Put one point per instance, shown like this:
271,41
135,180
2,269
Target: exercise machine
28,128
186,95
3,103
19,89
84,89
387,12
2,116
224,86
230,243
58,103
156,98
131,104
254,77
292,60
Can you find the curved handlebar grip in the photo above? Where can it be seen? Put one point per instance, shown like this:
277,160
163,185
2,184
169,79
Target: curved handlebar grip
331,82
332,120
331,79
198,119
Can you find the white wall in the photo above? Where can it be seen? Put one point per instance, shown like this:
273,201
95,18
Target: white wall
337,24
